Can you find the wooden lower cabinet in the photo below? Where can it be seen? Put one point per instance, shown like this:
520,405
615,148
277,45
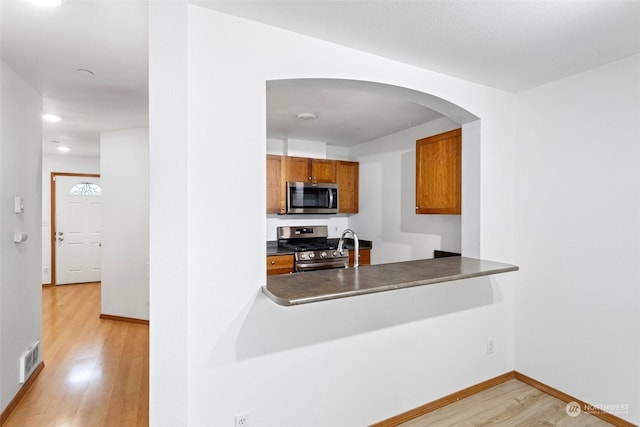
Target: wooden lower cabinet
365,257
283,264
279,264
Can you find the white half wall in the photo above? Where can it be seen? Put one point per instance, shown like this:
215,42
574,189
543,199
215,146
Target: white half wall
124,177
577,235
20,263
341,363
58,163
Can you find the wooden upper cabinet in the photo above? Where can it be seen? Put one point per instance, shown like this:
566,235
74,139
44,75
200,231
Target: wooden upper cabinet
283,169
347,174
275,184
303,169
298,169
439,174
323,170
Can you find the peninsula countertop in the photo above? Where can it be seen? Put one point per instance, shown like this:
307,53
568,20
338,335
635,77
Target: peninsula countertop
322,285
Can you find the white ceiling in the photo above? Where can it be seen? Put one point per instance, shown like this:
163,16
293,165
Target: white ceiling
46,46
347,114
508,44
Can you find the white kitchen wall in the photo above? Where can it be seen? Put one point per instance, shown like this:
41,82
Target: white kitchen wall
339,363
124,177
20,263
297,148
387,199
276,146
578,235
338,153
335,224
58,163
303,148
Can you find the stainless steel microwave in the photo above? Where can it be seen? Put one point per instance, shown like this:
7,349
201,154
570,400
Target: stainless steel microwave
310,198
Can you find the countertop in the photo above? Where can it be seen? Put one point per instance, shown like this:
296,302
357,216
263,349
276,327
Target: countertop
322,285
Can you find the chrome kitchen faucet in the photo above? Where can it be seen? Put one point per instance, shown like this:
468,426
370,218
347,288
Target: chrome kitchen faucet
356,257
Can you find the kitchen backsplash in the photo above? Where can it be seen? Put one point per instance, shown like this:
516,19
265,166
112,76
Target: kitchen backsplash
335,224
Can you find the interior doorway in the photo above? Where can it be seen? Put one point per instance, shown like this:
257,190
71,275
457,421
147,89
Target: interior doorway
76,231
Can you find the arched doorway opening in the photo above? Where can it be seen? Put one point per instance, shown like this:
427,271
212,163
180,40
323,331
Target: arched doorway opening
377,124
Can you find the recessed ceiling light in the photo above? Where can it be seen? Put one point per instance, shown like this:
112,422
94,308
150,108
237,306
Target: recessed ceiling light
47,3
51,117
307,116
62,148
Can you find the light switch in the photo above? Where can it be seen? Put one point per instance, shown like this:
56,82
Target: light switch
18,204
20,236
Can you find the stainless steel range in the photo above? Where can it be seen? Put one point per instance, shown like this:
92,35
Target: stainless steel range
312,248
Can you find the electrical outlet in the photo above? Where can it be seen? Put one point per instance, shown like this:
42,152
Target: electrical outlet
242,420
45,270
490,346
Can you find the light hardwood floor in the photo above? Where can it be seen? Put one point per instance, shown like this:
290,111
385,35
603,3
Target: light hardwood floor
510,404
96,371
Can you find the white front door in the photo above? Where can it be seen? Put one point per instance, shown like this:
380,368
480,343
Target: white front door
78,229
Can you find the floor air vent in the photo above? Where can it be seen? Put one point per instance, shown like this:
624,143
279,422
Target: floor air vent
29,361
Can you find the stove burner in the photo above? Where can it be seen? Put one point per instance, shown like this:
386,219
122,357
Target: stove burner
312,248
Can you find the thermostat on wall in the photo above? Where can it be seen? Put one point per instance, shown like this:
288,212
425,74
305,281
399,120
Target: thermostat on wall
18,204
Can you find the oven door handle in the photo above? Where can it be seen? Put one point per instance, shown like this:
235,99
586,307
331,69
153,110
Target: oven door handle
321,265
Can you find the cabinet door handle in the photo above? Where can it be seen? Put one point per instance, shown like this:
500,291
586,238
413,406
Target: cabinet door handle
273,263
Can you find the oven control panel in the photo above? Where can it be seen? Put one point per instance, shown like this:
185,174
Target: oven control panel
311,255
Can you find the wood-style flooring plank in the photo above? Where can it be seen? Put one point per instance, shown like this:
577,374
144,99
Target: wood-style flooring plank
96,370
510,404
